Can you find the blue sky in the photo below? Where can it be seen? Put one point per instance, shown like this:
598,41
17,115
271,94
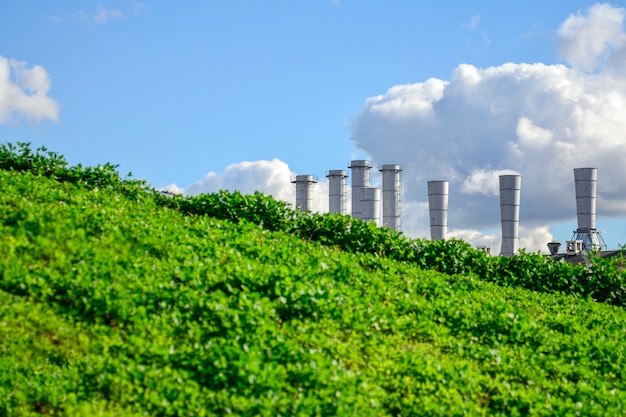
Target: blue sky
241,94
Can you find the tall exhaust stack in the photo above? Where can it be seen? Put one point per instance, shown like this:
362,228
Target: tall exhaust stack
360,179
586,181
370,205
510,187
337,191
438,209
392,197
304,186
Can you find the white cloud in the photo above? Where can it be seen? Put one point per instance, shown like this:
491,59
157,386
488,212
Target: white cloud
477,40
269,177
171,188
98,17
101,15
472,24
485,182
538,120
532,239
532,136
591,38
541,121
478,238
535,239
415,218
24,91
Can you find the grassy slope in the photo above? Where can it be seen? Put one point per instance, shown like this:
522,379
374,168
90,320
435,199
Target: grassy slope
110,306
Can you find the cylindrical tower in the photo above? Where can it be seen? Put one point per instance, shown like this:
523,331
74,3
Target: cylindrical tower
510,189
370,205
337,192
392,197
304,186
586,182
438,209
360,179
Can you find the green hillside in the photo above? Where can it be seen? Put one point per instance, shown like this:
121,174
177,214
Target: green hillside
116,301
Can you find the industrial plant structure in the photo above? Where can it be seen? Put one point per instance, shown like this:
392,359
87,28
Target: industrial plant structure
366,200
585,180
360,179
586,237
438,209
392,196
510,189
370,205
304,186
366,205
337,191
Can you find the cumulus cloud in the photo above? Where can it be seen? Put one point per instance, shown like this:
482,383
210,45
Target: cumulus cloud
24,91
532,239
171,189
485,181
269,177
539,120
593,38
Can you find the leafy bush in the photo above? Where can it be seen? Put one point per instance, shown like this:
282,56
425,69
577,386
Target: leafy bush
603,280
42,162
114,306
256,208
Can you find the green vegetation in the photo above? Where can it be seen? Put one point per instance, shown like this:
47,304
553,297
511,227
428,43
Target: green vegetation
116,300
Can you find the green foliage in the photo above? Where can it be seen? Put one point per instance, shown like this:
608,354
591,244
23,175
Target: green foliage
603,280
42,162
256,208
116,300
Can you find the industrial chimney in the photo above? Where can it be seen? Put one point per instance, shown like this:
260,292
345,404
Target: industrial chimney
510,186
586,180
438,209
370,205
392,197
304,185
360,179
337,195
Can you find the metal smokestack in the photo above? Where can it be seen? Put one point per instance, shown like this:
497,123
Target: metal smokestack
438,209
304,185
370,205
360,179
337,195
392,197
586,182
510,187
